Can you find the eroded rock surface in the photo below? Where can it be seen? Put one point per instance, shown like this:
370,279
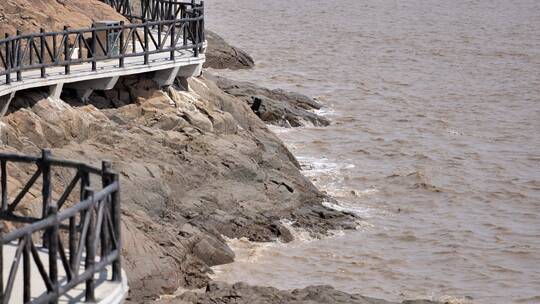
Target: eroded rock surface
194,166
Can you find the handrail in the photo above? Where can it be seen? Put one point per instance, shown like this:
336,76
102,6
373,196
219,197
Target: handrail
91,223
163,26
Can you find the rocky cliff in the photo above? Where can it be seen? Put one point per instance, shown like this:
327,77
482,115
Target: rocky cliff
194,166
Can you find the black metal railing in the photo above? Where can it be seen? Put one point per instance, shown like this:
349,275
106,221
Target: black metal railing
162,26
88,221
154,10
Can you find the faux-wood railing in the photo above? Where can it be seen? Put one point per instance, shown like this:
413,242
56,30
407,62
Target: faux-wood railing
88,221
163,26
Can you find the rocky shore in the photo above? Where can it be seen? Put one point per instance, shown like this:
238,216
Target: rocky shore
195,165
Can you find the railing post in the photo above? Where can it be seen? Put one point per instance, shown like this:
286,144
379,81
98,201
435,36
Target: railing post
4,177
42,51
81,44
196,38
27,278
19,58
90,249
104,231
56,51
8,61
121,50
73,244
1,266
203,35
117,226
173,39
170,11
94,42
146,44
185,27
46,189
53,251
46,173
67,58
133,41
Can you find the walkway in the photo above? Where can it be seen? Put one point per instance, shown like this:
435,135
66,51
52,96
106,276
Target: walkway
107,291
94,58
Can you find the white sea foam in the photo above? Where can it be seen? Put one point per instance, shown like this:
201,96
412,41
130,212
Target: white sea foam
325,112
278,129
316,166
360,211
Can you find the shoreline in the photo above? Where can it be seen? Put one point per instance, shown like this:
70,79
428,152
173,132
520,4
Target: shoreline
243,292
195,164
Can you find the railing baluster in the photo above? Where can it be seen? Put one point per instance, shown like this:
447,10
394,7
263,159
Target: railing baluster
90,249
56,52
121,50
173,39
146,44
73,243
104,232
94,42
115,204
133,42
8,61
45,165
185,26
116,211
202,36
3,165
18,56
13,271
81,44
53,251
31,49
27,276
42,52
67,58
196,39
1,267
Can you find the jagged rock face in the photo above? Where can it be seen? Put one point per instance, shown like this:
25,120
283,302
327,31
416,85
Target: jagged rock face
277,107
194,166
221,55
29,15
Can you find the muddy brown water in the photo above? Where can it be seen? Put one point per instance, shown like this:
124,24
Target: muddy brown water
435,142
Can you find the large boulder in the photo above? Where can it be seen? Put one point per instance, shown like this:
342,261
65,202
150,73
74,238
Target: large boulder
221,55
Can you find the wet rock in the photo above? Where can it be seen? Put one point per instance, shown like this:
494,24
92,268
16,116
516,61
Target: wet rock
213,252
277,107
241,293
221,55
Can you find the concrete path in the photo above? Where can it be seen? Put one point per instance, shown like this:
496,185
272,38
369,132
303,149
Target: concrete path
106,291
185,64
